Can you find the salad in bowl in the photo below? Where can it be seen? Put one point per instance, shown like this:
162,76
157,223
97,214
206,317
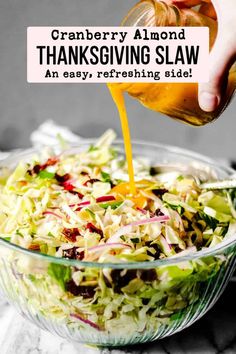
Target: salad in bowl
83,257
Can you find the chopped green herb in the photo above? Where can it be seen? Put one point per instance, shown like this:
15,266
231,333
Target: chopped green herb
209,220
91,213
177,208
135,240
114,153
118,181
92,148
32,277
224,229
121,163
8,238
113,205
105,177
45,174
19,233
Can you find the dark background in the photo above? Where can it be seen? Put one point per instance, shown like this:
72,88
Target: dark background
86,108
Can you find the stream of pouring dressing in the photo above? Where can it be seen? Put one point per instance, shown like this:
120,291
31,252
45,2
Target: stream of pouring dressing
118,97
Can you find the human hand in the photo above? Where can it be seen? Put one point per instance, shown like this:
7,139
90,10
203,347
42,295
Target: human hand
223,53
186,3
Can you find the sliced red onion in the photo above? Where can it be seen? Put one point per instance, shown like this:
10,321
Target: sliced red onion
150,220
52,213
79,205
127,228
90,323
105,198
91,180
143,211
92,228
108,246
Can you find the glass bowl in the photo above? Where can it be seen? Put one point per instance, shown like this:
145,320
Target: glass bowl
135,302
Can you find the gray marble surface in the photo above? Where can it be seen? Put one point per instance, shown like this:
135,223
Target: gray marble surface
215,333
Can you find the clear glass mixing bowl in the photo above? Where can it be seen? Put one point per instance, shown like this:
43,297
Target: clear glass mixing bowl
171,293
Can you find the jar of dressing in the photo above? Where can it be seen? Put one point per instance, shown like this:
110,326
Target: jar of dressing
176,100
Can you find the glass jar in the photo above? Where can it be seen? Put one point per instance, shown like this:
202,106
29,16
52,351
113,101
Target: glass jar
176,100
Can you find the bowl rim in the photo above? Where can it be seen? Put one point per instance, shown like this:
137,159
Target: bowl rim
213,251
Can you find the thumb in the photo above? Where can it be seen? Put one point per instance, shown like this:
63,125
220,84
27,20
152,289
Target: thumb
222,58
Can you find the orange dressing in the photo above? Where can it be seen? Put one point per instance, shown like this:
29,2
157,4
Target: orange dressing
119,100
176,100
122,190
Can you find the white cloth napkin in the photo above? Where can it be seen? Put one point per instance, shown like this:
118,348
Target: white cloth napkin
49,133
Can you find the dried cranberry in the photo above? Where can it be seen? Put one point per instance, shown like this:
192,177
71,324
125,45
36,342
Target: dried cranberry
158,212
70,253
156,255
93,228
119,280
145,301
72,287
159,192
70,188
91,180
105,198
62,178
73,253
148,275
50,162
70,234
80,195
107,281
80,255
34,247
35,170
153,171
85,291
83,173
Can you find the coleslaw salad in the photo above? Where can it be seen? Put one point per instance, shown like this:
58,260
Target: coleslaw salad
79,207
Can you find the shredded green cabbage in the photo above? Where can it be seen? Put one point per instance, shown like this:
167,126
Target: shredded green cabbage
78,206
